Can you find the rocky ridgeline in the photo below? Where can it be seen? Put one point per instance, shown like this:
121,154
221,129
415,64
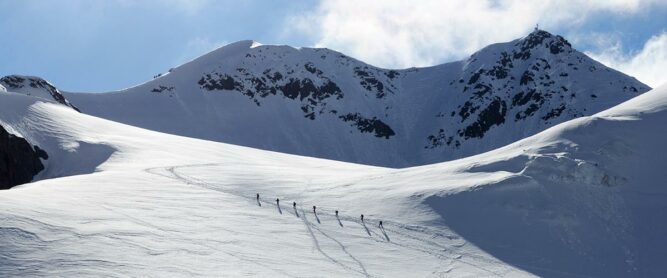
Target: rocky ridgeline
308,85
530,79
34,86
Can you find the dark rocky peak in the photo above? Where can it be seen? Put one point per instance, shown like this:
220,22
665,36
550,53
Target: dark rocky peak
541,39
538,45
20,81
34,86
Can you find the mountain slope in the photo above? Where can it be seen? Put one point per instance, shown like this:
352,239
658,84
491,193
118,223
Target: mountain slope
152,206
320,103
584,198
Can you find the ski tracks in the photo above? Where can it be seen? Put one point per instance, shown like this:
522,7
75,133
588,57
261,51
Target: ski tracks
316,244
440,244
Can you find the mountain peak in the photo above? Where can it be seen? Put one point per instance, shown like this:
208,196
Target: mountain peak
33,86
540,38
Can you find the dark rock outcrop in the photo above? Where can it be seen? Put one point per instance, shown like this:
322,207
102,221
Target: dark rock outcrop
19,161
313,97
373,125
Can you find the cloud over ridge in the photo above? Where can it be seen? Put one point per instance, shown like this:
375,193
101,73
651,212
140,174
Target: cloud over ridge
399,34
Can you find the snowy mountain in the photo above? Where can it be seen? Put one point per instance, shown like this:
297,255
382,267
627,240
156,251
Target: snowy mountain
321,103
33,86
583,198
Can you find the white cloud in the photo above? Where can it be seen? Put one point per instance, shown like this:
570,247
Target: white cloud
392,33
649,64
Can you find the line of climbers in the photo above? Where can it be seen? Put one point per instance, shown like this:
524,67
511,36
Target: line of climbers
314,209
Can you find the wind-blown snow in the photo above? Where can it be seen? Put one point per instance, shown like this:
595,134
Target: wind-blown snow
584,198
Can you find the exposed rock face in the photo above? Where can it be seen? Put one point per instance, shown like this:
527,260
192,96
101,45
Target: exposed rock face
19,161
34,86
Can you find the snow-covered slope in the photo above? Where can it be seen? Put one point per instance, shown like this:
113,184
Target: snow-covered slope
321,103
584,198
154,207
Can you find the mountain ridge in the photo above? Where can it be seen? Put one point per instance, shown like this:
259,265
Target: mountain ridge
322,103
33,85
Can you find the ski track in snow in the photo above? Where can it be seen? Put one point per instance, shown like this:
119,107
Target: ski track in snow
316,244
417,238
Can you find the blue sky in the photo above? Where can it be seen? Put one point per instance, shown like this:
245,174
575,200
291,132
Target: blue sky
96,45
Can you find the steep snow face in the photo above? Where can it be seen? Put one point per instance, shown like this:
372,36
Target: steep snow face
33,86
321,103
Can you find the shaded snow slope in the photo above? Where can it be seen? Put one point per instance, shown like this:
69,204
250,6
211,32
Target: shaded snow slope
68,152
321,103
584,198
